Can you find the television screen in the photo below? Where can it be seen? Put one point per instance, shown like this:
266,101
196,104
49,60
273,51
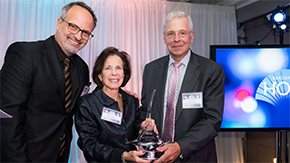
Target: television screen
257,86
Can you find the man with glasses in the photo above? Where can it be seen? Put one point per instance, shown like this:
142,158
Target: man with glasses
189,98
40,83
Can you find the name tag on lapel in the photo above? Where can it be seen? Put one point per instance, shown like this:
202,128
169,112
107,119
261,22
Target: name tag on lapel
192,100
111,115
86,89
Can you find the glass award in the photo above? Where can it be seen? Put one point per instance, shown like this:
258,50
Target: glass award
148,140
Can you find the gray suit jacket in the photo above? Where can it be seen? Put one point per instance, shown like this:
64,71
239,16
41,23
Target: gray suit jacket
195,129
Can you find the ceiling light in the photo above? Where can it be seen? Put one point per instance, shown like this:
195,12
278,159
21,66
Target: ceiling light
279,17
283,26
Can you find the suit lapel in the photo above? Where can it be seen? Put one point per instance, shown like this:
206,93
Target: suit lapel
77,84
190,78
158,104
51,57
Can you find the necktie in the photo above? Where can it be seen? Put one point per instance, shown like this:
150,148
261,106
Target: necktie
68,85
68,95
169,123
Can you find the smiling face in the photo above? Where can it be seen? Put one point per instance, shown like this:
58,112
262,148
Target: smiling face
178,45
72,43
112,75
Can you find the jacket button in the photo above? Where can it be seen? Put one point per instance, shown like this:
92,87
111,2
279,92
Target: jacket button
60,138
123,128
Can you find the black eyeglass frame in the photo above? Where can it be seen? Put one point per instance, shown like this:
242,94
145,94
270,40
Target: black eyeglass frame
79,29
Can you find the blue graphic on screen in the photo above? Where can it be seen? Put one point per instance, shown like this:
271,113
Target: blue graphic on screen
257,87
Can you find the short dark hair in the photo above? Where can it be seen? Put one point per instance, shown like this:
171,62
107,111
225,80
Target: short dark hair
65,9
100,61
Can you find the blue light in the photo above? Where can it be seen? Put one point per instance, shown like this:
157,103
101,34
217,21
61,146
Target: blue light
257,119
279,17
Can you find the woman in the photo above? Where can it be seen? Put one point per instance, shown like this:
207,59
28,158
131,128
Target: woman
108,118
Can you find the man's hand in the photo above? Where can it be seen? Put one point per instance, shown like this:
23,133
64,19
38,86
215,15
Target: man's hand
133,94
134,156
171,152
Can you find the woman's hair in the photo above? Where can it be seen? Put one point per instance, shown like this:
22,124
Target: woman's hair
99,64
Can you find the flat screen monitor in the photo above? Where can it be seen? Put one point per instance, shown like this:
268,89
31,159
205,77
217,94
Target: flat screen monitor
257,86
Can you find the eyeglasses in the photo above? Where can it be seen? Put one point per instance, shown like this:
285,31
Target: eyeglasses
181,34
74,29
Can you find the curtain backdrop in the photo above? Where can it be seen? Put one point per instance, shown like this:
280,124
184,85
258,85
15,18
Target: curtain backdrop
135,26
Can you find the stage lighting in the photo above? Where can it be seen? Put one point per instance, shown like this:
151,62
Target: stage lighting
283,26
279,17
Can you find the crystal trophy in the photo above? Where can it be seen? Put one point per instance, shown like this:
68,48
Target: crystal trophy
148,140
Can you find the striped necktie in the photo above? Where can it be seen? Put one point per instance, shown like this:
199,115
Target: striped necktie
169,122
68,96
68,85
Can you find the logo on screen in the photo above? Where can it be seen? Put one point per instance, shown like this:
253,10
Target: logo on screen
275,88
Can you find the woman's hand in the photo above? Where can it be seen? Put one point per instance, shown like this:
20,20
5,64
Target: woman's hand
135,156
148,125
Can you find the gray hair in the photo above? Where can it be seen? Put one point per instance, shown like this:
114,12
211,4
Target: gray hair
65,9
177,14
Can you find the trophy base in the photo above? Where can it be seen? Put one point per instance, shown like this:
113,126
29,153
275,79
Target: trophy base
151,155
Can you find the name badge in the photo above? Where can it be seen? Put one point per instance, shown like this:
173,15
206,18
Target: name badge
192,100
85,90
111,115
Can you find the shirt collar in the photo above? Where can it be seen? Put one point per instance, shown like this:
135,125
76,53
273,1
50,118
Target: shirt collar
60,54
184,60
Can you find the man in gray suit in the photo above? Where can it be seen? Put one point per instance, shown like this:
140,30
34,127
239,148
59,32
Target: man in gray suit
199,100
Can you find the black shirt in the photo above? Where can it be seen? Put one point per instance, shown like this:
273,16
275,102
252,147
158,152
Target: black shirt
73,67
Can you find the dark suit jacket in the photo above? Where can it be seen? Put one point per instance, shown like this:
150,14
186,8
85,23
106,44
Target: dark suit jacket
32,91
195,129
